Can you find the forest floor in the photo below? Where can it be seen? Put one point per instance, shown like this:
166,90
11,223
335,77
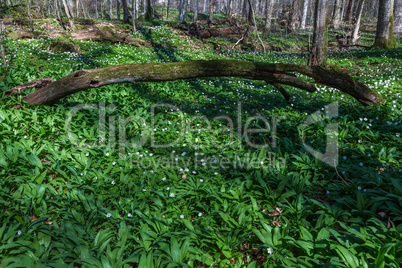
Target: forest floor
73,191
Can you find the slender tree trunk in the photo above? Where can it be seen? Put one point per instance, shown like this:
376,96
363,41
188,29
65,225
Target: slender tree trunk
384,36
304,16
125,11
211,10
293,16
134,7
111,9
357,23
183,10
337,18
398,17
66,9
167,9
268,16
118,10
196,11
319,51
96,9
349,11
230,7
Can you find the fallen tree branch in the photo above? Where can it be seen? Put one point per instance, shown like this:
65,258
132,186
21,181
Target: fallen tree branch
37,83
284,93
155,72
238,41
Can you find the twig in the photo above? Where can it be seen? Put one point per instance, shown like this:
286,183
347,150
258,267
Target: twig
339,174
238,41
256,28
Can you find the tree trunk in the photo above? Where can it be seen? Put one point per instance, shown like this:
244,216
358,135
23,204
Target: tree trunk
167,9
304,16
293,16
148,10
125,11
268,16
319,51
66,9
134,9
349,11
211,10
111,9
273,73
384,36
357,23
196,11
96,9
337,17
398,17
118,10
182,10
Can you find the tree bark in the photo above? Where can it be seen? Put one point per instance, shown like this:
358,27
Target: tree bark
357,23
118,10
134,10
319,51
398,17
183,10
148,10
278,73
384,36
304,16
110,9
211,10
125,11
268,16
349,11
337,17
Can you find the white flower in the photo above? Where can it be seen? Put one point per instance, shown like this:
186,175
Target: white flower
25,136
107,154
108,215
19,232
113,183
164,178
95,178
114,163
81,174
216,173
200,214
168,188
172,195
129,215
360,141
398,135
270,251
201,180
182,216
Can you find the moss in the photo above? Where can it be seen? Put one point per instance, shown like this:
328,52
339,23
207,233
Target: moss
380,42
60,46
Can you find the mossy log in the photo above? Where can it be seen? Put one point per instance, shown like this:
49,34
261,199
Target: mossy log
273,73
